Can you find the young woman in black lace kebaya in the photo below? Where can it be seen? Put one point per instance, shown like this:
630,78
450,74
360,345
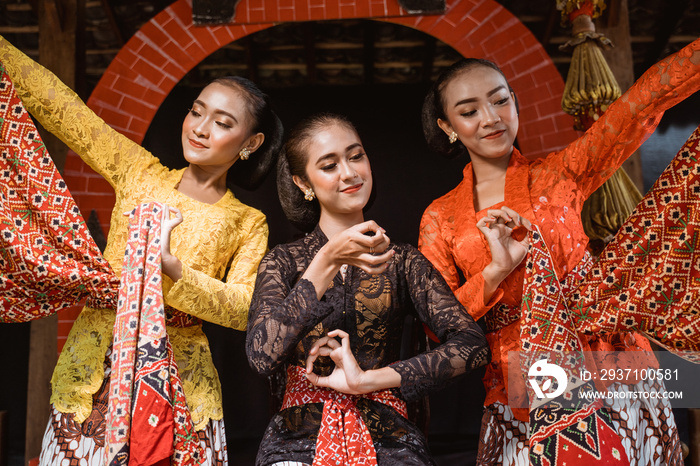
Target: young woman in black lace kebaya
329,309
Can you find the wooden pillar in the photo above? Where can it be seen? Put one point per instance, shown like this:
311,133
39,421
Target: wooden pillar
616,26
61,48
60,35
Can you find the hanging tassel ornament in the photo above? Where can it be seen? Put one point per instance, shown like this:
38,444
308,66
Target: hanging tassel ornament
590,88
590,84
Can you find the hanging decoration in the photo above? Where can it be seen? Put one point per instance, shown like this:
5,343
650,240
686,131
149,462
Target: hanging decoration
590,85
590,88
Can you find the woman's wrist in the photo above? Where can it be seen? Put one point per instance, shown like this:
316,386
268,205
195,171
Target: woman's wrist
172,267
494,275
327,259
379,379
321,271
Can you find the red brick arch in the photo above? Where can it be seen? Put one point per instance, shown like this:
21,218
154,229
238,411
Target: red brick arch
167,47
160,54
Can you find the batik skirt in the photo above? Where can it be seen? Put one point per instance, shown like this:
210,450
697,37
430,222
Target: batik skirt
71,443
645,426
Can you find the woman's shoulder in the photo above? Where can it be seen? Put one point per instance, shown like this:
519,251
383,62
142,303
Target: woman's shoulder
289,256
296,247
232,203
144,167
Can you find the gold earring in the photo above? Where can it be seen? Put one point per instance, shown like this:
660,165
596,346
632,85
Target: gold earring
244,153
309,194
453,137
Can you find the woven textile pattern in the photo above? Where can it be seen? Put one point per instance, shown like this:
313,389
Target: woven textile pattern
568,428
648,278
48,260
146,399
343,437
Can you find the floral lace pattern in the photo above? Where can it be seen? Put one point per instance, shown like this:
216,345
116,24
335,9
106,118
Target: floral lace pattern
286,318
550,192
220,246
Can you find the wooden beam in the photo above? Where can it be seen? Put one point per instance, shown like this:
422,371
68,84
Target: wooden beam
42,360
19,29
60,27
428,58
18,7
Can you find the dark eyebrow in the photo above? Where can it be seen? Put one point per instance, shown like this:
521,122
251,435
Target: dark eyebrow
474,99
217,111
333,154
324,157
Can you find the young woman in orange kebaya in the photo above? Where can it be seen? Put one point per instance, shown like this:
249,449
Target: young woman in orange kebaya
466,233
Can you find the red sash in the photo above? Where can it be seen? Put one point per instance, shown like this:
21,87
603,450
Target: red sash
343,438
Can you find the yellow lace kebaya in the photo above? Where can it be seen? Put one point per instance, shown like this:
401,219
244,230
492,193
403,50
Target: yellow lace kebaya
219,245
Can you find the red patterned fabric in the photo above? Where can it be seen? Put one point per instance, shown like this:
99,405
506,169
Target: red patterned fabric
343,437
647,279
148,420
580,436
567,430
48,260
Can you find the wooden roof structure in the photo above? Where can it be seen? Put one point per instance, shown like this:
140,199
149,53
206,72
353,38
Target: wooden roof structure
346,52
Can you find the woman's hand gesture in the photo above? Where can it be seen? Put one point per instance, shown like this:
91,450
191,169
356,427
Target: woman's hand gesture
172,267
364,245
347,377
507,235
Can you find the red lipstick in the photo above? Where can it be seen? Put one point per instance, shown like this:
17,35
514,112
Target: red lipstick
352,189
196,144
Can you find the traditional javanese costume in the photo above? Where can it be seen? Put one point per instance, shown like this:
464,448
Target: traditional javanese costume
220,246
287,318
550,192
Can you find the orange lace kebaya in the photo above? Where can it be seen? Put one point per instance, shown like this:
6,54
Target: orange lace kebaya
550,192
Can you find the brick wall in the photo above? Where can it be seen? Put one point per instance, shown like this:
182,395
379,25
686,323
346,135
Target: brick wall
167,47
